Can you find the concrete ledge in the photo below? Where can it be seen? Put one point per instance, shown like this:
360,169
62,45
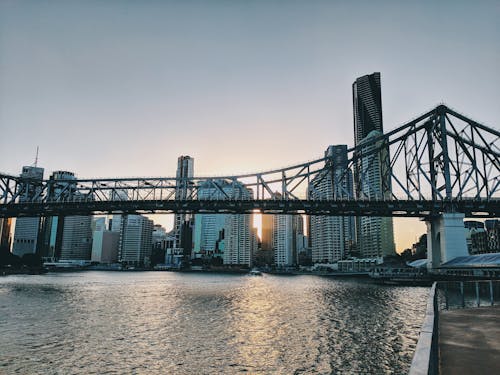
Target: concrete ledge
422,363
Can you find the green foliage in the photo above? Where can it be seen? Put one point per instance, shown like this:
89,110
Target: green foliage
32,260
157,257
9,259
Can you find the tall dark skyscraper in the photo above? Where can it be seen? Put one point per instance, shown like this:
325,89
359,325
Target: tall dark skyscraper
183,223
367,102
374,235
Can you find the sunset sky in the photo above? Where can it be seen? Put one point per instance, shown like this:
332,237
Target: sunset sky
122,88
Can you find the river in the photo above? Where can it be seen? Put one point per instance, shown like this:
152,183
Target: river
187,323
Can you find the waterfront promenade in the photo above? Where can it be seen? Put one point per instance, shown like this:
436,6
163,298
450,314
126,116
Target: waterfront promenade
469,341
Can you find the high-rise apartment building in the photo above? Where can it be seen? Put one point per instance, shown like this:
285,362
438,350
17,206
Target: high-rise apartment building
332,237
238,234
136,237
367,103
226,235
374,235
285,240
27,230
238,239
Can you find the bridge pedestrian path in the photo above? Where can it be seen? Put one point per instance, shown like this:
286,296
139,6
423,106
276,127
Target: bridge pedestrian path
469,341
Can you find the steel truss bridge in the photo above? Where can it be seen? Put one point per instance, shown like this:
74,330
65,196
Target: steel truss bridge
439,162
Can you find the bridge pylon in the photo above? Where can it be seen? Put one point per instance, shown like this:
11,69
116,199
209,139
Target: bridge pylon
445,239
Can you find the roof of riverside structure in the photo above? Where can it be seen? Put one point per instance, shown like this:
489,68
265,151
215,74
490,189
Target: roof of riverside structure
474,261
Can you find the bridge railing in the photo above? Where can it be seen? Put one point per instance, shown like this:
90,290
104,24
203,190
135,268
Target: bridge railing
466,294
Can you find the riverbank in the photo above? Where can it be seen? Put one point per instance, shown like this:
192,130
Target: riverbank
22,271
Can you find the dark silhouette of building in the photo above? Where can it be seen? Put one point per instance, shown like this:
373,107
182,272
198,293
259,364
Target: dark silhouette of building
5,225
367,103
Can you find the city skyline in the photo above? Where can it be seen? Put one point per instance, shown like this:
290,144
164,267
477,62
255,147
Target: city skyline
145,83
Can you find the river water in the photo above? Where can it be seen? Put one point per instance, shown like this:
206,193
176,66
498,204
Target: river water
186,323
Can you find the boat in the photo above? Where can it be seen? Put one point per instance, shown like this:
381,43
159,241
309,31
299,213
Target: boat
255,272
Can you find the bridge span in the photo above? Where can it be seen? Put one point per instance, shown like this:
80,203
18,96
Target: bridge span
440,162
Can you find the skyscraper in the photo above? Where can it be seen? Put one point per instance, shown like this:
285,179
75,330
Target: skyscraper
285,240
69,237
209,228
238,234
238,239
229,235
27,229
76,241
367,102
104,242
183,222
332,237
136,238
374,235
267,232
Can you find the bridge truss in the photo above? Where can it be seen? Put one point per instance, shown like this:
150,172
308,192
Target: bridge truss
439,162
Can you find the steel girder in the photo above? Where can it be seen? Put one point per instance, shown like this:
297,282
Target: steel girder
401,208
441,160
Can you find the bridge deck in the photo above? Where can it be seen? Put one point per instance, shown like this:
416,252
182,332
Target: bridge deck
469,341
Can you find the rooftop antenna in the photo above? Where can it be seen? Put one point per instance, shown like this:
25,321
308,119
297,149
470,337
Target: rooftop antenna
36,157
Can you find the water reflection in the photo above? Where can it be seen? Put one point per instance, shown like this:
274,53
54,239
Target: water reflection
195,323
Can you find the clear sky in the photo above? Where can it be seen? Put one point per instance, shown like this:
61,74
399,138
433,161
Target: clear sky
122,88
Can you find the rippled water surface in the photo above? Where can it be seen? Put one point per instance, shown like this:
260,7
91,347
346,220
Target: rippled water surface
173,323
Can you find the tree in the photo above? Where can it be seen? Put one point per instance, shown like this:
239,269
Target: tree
8,259
32,260
157,257
406,255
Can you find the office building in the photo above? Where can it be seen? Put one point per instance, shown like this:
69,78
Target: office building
27,229
104,242
76,241
183,223
68,237
209,228
135,243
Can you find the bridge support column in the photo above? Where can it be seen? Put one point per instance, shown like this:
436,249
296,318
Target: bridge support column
445,239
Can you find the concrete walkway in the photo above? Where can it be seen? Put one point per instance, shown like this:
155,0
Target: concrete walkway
469,341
